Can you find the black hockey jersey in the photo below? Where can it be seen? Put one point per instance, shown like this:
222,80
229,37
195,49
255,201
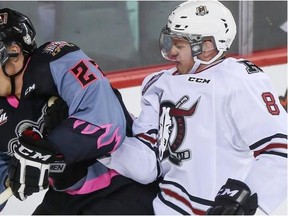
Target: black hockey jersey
96,123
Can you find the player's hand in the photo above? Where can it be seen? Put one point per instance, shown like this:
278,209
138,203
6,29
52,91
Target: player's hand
56,112
28,169
234,198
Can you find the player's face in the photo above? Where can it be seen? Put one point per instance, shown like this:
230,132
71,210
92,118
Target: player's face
181,53
12,66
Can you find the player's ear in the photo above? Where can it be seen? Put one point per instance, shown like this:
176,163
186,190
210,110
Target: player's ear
14,48
208,46
15,52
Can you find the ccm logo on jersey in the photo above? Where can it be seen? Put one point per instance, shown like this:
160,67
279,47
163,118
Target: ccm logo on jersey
30,88
33,154
227,191
198,80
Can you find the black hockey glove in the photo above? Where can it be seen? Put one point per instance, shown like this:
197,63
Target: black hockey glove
56,112
28,169
234,198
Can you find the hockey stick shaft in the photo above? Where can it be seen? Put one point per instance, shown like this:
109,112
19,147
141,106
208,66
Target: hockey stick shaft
5,195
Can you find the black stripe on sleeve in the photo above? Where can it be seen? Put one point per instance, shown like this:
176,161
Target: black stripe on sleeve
276,153
267,139
192,198
171,205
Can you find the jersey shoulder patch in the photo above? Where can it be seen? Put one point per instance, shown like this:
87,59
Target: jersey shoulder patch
250,66
241,69
56,49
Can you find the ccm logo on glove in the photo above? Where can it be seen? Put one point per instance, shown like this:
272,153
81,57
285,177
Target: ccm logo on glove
234,198
28,169
227,191
33,154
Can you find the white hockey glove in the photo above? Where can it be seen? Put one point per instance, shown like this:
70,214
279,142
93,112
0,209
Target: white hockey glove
28,169
234,198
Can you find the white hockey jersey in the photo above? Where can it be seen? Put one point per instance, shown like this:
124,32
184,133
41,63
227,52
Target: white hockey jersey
224,122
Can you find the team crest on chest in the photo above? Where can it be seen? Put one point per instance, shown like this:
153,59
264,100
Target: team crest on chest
38,124
172,130
3,117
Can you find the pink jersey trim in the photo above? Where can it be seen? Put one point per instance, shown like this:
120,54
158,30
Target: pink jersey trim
95,184
13,101
90,129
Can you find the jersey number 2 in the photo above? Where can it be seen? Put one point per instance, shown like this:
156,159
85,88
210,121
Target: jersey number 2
270,103
81,73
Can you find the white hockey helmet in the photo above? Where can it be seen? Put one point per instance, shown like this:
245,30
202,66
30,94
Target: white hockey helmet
196,19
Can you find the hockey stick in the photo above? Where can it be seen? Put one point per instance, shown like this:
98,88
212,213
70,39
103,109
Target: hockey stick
5,195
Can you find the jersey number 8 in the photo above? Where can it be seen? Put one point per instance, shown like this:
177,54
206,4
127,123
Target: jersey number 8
270,103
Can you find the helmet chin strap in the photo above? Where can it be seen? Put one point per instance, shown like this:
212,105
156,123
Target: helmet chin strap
12,77
196,65
13,54
219,54
198,62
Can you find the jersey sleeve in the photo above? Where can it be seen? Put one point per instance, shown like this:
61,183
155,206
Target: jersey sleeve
261,124
142,148
146,126
137,157
96,124
134,160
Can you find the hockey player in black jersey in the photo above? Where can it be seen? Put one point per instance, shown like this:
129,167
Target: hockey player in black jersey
65,159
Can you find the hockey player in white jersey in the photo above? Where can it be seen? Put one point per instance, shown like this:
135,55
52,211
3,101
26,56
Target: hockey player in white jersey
217,123
219,126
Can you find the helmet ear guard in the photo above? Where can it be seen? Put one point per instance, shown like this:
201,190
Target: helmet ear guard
196,42
5,55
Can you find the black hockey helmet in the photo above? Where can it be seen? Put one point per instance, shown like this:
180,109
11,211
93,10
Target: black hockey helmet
16,27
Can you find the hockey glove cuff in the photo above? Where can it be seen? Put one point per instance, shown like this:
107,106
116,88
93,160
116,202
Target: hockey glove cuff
234,198
29,167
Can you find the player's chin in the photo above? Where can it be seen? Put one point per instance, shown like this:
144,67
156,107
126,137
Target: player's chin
181,69
4,92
